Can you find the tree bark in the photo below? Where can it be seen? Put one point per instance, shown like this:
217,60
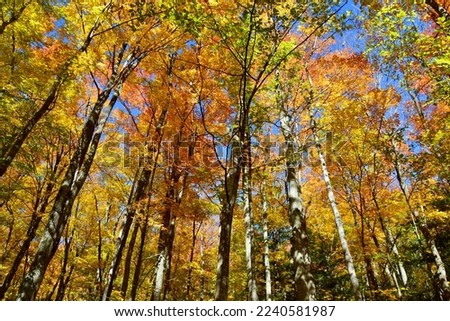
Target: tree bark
252,291
140,185
361,226
195,232
305,289
73,181
441,282
75,176
36,218
267,273
127,264
166,238
226,221
337,215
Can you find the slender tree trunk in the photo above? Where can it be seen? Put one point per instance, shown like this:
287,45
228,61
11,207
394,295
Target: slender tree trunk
267,274
142,182
390,240
441,282
161,286
31,233
165,242
137,194
368,262
72,183
76,175
36,219
397,266
163,256
168,268
128,258
10,151
337,215
252,292
140,255
202,266
63,280
100,260
191,259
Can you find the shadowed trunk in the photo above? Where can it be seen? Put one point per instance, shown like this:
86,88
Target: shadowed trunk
76,175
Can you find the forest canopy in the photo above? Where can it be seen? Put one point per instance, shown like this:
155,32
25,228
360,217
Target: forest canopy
224,150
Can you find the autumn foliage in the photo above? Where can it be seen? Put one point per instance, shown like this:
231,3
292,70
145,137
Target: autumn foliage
224,150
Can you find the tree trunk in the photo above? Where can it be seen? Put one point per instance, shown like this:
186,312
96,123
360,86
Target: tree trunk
226,220
391,242
202,266
367,257
163,256
305,289
72,183
137,270
63,278
337,215
140,184
36,219
76,175
128,258
167,233
267,274
252,292
191,258
165,242
439,9
441,282
171,239
9,151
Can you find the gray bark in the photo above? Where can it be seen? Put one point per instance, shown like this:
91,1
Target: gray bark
36,218
141,183
127,264
73,181
75,177
252,291
267,273
337,215
305,288
441,282
226,220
